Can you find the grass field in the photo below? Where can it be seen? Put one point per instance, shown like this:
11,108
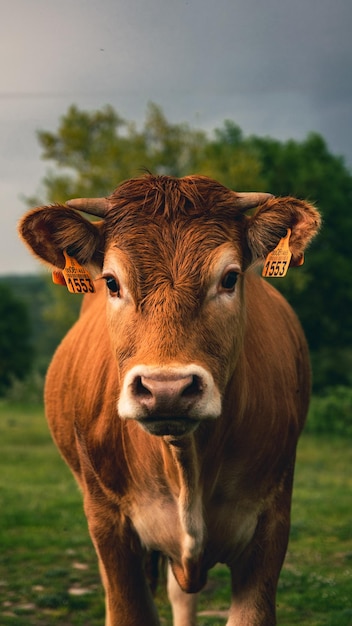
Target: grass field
48,571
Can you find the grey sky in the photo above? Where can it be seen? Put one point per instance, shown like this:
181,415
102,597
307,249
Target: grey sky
278,68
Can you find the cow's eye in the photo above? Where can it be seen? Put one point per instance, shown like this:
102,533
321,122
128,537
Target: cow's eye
113,285
228,281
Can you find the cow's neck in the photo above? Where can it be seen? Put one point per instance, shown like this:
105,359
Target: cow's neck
185,459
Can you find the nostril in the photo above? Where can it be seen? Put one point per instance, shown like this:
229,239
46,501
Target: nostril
139,390
195,388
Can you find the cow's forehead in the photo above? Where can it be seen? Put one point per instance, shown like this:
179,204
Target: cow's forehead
157,241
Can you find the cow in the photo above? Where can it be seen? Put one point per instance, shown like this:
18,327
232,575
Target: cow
178,397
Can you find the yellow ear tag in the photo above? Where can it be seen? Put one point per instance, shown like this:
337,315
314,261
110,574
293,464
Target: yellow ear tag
77,278
277,262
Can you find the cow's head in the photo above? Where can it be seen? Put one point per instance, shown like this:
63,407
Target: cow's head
173,254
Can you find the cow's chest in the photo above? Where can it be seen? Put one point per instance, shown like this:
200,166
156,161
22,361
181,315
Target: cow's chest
217,529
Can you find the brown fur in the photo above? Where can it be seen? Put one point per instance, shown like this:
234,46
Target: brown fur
223,492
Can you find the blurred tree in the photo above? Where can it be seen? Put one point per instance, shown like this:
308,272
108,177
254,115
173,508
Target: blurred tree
172,149
16,353
231,160
97,150
92,149
321,291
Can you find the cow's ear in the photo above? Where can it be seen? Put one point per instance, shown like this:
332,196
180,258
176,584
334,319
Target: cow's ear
271,222
50,230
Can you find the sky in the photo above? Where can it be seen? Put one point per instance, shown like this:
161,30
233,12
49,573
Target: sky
281,68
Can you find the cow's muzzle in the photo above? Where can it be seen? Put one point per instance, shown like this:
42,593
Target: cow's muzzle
170,400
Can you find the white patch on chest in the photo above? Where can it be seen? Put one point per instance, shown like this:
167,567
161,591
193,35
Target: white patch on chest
166,524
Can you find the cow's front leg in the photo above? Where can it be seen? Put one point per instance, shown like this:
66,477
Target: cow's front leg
254,580
254,589
253,607
184,605
129,600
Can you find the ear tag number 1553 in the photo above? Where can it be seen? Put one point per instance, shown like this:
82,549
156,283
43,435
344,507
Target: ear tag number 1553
76,277
277,262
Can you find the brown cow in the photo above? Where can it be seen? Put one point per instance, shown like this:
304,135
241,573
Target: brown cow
178,397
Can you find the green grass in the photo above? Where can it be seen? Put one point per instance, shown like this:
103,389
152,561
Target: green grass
48,570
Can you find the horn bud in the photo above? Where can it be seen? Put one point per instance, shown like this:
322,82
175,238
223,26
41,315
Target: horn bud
93,206
248,200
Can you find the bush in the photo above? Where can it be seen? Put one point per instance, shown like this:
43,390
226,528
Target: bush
16,352
332,367
28,391
331,413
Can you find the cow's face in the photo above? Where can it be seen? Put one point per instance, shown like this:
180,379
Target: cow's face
173,256
175,315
